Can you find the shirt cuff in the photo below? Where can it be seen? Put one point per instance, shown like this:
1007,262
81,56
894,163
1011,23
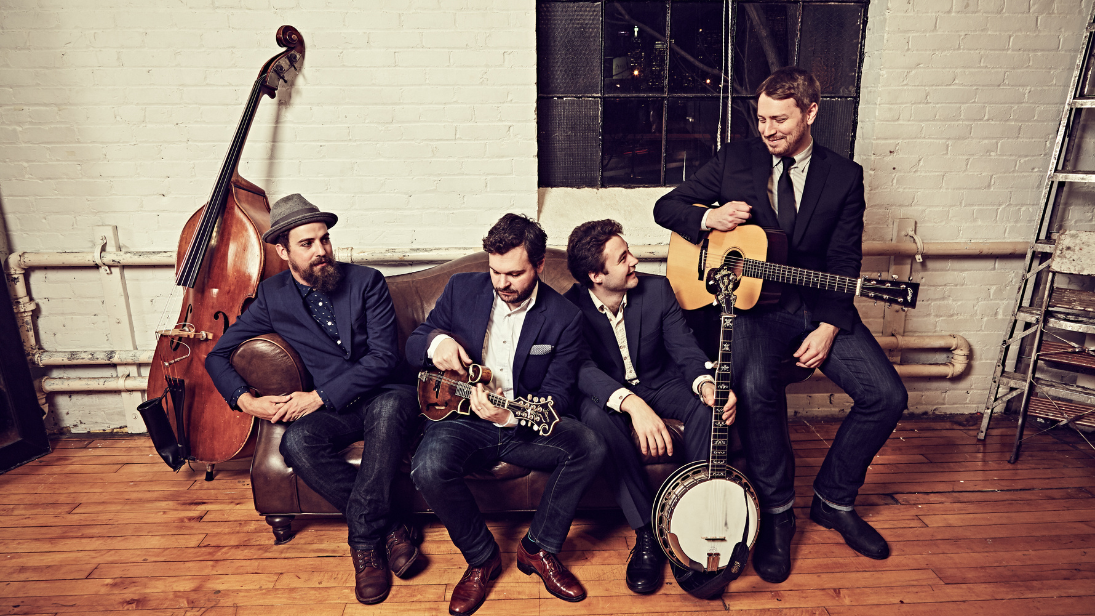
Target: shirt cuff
698,383
510,423
617,398
326,400
235,397
433,344
703,221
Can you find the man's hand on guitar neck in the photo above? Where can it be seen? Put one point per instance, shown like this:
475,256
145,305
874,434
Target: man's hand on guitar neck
729,410
482,406
726,217
815,348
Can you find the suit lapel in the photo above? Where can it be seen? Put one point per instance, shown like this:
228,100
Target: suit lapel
811,192
633,320
602,328
530,329
296,305
480,315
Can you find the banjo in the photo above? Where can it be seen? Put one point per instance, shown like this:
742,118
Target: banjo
706,513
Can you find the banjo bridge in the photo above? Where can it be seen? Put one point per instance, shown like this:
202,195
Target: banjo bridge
714,538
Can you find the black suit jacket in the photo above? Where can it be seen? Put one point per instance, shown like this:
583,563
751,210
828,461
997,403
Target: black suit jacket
828,233
548,352
366,322
659,342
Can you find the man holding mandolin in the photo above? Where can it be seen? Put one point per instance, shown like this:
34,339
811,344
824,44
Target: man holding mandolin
530,338
340,319
784,180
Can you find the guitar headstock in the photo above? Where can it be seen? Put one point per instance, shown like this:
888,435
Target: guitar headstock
536,413
897,292
284,66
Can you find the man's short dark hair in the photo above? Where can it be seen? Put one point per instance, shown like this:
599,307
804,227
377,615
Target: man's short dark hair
513,230
791,82
586,248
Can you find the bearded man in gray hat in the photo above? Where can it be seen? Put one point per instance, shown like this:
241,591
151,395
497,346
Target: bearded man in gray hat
340,319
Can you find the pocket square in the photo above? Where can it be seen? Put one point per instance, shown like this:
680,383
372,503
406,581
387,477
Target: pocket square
540,349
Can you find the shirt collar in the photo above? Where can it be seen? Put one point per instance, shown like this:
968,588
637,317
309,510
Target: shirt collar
600,306
525,305
302,288
800,158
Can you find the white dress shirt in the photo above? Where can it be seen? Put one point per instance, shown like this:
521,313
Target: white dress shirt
616,321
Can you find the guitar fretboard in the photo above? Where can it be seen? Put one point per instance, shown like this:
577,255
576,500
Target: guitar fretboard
464,389
793,275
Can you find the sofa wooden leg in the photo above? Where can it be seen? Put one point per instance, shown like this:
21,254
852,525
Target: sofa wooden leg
283,528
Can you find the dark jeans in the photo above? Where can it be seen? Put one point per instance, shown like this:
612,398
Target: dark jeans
312,446
455,447
763,339
623,465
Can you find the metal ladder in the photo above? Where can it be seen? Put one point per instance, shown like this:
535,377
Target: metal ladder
1039,303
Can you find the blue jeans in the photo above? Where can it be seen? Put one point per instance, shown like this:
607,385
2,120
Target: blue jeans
623,465
762,340
455,447
313,447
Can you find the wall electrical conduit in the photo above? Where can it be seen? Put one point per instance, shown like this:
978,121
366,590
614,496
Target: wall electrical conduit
18,263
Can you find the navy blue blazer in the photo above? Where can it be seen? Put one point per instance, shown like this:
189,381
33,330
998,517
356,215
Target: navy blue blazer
660,343
828,233
548,352
366,323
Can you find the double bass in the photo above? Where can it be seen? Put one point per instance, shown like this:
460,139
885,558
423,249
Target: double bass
221,260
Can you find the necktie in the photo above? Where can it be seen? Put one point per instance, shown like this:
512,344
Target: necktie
785,193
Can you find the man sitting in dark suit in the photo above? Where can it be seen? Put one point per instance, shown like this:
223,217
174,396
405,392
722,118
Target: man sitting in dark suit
641,349
530,338
340,319
784,180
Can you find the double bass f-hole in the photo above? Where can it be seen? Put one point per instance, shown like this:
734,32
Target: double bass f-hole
221,315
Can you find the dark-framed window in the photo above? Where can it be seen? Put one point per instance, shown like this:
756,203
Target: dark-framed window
642,93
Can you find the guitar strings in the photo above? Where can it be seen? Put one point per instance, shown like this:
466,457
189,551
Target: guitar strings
785,273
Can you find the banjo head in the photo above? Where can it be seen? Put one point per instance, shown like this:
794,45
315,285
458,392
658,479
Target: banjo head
699,520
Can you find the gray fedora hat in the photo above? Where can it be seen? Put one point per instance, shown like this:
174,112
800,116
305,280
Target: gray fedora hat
291,212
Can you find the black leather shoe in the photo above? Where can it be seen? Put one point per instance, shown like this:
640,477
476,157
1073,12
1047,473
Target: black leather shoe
858,534
772,554
646,564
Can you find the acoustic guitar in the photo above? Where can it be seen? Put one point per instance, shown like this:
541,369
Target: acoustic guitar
756,255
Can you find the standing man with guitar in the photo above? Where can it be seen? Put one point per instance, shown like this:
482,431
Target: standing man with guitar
783,180
340,319
531,339
641,349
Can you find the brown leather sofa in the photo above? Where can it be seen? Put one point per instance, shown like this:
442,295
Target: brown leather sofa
280,496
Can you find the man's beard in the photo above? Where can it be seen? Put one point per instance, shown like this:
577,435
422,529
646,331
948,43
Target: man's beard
527,293
325,280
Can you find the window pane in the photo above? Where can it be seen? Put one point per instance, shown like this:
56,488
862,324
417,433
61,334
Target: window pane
568,143
692,139
632,142
568,43
695,53
830,46
743,119
834,124
635,47
764,42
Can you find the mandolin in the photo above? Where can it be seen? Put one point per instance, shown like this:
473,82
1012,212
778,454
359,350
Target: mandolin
441,394
756,255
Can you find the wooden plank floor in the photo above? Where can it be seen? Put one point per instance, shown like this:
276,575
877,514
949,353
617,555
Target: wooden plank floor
102,526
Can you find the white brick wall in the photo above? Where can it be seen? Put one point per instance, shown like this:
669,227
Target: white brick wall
415,122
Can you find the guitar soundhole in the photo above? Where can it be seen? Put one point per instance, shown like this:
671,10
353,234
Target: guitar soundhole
735,260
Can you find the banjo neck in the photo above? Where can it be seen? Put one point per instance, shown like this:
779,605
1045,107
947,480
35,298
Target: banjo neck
716,462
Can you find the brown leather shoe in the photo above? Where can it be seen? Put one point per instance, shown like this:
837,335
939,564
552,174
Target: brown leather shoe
557,580
471,590
371,580
402,550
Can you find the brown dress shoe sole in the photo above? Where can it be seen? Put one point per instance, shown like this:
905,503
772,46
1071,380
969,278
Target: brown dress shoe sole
529,570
